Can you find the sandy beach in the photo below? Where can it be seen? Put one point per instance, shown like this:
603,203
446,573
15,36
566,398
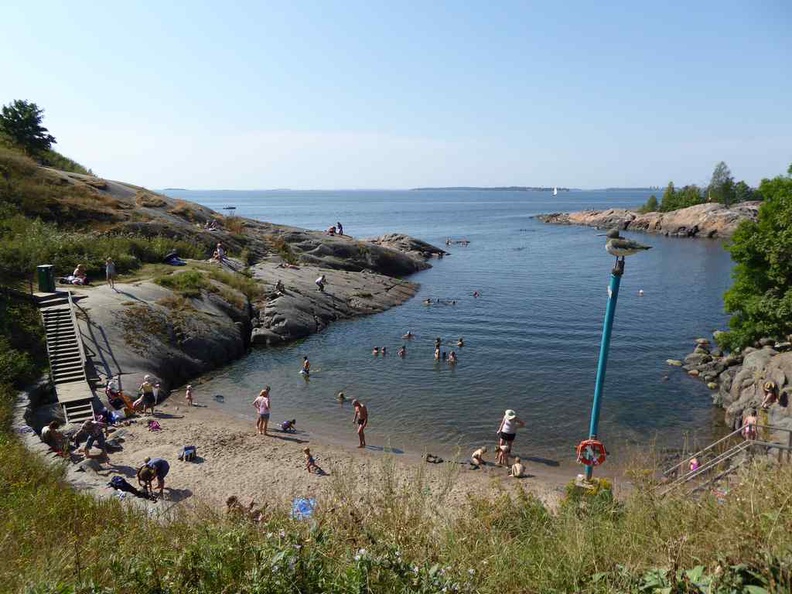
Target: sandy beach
234,460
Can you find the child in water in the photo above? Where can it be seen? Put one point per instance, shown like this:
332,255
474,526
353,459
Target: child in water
375,352
289,426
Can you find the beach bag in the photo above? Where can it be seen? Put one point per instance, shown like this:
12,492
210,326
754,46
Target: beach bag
188,453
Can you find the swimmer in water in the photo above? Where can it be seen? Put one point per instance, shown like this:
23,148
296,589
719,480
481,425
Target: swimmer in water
340,397
402,351
375,352
461,342
384,351
452,358
427,302
438,342
409,335
437,354
306,366
476,294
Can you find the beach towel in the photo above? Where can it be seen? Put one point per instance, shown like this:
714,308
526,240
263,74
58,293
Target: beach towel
302,509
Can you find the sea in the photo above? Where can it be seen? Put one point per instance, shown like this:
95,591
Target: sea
531,340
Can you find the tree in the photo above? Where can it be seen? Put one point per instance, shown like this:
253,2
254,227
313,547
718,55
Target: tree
760,300
689,196
650,206
721,188
21,122
743,192
669,198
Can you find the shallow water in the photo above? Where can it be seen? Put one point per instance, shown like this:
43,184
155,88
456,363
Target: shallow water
532,338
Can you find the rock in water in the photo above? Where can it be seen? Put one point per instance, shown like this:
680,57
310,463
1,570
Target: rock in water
674,362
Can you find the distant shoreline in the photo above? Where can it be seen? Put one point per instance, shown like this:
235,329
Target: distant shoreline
494,189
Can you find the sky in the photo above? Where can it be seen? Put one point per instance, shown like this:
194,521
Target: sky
379,94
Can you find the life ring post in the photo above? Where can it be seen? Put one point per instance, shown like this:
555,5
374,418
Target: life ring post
602,363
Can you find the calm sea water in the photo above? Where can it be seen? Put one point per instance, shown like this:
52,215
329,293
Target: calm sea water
531,340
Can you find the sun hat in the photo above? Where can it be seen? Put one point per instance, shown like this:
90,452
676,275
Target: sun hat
146,377
510,414
769,386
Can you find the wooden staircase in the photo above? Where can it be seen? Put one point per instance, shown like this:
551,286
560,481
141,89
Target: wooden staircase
66,356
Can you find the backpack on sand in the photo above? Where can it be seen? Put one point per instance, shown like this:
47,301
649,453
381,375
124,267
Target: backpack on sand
188,453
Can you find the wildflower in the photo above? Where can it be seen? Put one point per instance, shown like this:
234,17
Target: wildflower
282,534
360,554
471,571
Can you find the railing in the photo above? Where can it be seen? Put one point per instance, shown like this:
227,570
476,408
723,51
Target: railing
78,336
714,464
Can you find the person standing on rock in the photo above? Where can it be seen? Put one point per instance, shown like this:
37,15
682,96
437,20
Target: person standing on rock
146,390
361,420
507,430
340,228
262,406
320,283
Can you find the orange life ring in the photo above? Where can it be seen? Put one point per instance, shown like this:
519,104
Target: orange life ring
591,452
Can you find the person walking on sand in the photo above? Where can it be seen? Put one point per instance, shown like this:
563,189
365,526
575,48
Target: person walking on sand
320,283
507,430
361,420
310,462
110,272
262,406
188,395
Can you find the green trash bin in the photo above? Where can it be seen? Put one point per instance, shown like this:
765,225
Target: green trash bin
46,278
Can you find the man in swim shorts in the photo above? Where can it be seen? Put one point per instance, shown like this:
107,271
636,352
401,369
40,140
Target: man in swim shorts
361,419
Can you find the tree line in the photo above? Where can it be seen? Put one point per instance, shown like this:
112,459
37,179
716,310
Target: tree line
721,189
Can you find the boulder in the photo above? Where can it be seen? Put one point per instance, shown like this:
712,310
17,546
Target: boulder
712,385
702,342
674,362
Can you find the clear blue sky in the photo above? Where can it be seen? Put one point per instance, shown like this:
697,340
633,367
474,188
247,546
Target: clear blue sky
383,94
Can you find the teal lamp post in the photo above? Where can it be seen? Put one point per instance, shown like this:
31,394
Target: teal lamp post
591,452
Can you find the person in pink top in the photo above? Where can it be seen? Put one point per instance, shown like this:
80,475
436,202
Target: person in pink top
262,406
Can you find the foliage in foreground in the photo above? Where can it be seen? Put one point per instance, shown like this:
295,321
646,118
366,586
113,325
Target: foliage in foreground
760,300
393,535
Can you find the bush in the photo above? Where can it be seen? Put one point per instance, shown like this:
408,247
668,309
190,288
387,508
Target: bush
760,300
188,283
650,206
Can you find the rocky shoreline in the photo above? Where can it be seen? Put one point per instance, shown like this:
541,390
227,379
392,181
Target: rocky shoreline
736,379
710,221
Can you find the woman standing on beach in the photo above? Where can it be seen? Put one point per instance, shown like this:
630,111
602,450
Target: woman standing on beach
262,406
361,419
507,430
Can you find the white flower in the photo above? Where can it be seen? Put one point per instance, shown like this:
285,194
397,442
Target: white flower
282,533
471,571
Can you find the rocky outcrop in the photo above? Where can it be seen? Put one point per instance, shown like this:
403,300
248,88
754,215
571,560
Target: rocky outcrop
300,309
737,379
702,220
408,245
147,329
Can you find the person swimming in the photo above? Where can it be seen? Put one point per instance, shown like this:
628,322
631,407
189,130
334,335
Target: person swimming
402,351
341,397
427,302
384,351
409,335
461,342
375,351
452,358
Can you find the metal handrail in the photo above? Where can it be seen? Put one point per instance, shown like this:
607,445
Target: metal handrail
77,335
681,465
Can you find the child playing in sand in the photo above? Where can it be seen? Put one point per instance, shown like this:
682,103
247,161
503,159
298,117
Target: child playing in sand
477,459
188,395
517,469
310,463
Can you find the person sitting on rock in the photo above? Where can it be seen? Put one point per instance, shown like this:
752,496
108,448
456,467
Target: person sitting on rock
79,276
770,394
279,287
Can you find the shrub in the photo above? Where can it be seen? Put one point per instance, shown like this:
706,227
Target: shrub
188,283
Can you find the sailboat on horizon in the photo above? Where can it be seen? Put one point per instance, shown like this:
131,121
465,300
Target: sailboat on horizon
555,191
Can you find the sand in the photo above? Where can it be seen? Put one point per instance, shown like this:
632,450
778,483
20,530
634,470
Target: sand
234,460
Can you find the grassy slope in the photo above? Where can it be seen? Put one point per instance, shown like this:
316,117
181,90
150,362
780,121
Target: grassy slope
53,539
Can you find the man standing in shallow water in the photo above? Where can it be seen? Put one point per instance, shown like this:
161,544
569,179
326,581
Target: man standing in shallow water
361,419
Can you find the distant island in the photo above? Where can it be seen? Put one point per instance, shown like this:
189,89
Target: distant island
175,190
497,189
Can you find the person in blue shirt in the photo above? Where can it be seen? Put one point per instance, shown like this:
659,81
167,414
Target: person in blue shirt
153,468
